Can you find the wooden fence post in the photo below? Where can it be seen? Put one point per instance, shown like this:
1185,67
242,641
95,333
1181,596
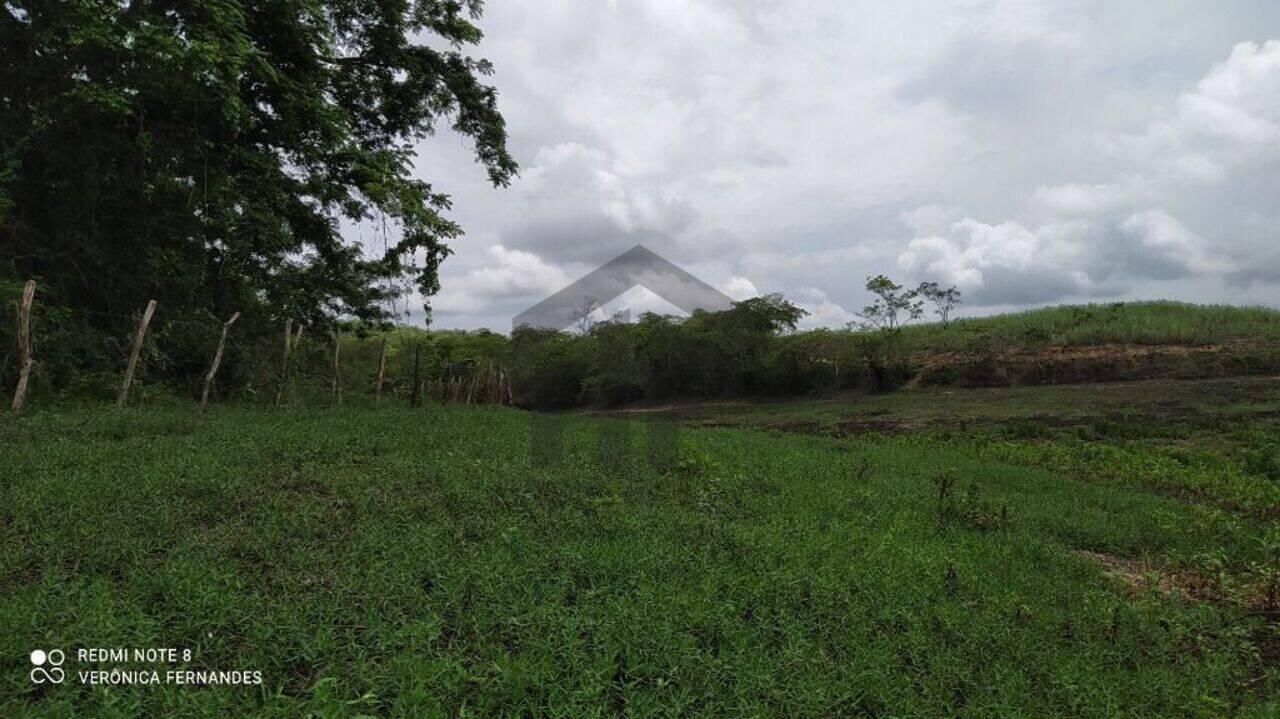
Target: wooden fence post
382,371
284,363
24,345
138,337
217,360
415,392
495,383
337,376
293,366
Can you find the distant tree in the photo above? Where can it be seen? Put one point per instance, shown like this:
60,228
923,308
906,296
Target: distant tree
619,317
581,316
944,301
825,348
769,313
894,305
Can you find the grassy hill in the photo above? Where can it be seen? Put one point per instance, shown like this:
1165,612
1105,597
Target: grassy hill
415,563
1144,323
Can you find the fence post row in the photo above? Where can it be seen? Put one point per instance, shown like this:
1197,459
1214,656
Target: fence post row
284,363
415,392
27,358
138,337
494,386
293,366
337,376
382,371
217,360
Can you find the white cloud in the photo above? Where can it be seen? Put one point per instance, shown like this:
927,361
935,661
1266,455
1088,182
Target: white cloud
1082,199
575,203
1005,263
1228,123
1240,97
1010,263
739,288
1231,120
512,274
822,311
1027,21
1164,238
942,259
929,219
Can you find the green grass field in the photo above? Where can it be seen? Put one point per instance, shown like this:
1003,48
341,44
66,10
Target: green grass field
1210,441
413,563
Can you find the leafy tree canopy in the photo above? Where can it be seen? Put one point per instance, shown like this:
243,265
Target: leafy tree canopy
208,154
894,305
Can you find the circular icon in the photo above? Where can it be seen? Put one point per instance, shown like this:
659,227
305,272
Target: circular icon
54,658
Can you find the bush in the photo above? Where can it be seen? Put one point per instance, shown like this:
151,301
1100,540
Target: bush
940,376
1264,462
984,372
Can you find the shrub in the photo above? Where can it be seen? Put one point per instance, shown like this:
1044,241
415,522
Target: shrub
940,375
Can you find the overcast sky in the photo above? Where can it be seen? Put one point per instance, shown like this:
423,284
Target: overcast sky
1028,152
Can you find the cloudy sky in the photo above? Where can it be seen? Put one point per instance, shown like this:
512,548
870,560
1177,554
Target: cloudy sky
1028,152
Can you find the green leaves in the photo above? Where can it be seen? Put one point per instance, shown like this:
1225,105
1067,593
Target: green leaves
234,135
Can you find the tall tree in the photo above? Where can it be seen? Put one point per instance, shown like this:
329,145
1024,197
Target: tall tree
944,299
208,154
894,306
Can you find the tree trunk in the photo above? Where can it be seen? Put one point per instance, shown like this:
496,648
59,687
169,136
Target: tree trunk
27,361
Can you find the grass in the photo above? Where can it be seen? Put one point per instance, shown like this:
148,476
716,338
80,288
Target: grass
1144,323
1208,441
413,563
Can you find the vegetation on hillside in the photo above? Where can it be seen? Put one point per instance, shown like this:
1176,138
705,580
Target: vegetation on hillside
1143,323
752,350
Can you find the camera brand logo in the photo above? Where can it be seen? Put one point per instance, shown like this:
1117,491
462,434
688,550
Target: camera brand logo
47,666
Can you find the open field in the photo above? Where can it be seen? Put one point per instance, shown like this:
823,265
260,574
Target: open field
1214,441
1164,402
405,563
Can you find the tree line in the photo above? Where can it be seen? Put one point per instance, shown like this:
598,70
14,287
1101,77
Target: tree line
752,349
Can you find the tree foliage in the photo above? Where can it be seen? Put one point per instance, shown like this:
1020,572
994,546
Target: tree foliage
730,353
893,307
210,154
944,299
